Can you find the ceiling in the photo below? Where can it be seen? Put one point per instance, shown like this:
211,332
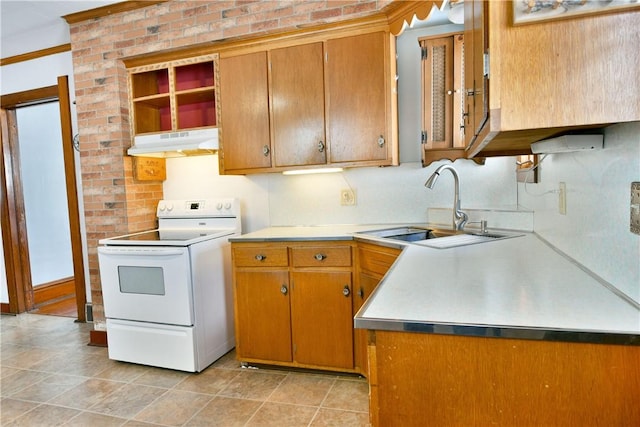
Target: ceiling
28,25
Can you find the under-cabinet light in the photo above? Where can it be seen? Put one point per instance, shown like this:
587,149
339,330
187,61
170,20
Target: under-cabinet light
311,171
568,143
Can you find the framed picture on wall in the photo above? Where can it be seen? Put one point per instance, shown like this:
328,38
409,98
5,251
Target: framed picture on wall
530,11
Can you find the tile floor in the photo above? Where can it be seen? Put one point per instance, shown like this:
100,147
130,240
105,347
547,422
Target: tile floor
50,377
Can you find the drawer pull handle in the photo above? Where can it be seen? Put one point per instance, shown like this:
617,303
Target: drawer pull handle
266,150
346,291
361,293
319,257
284,290
260,257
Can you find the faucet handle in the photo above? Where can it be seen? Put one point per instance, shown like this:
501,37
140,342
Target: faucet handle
483,225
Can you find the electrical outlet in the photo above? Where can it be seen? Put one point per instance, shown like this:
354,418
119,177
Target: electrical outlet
635,207
348,197
562,199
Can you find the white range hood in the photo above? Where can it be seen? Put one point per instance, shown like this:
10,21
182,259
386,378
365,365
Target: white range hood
195,142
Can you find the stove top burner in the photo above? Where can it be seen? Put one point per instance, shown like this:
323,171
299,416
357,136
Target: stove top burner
168,237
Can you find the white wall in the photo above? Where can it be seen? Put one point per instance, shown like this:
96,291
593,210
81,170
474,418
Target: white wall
595,230
37,73
384,195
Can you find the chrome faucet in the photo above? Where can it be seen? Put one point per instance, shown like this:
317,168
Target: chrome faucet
459,218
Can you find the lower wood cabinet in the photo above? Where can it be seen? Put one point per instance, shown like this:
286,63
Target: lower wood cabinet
373,262
321,318
422,379
293,304
262,311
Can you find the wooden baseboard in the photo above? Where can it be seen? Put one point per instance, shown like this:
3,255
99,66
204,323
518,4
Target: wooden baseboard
54,290
98,338
5,308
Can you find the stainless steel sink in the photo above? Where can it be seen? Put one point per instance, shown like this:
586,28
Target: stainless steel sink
437,238
411,234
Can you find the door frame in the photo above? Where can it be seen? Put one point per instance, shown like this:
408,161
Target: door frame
12,213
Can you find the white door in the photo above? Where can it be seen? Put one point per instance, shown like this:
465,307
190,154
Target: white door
147,284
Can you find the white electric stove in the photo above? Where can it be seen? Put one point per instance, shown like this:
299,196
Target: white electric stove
167,293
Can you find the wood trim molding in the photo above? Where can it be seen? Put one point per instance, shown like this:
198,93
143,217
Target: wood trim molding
29,97
53,290
110,9
401,12
98,338
16,255
36,54
73,205
5,308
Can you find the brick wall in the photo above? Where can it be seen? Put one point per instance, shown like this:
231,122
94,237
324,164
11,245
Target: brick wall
114,202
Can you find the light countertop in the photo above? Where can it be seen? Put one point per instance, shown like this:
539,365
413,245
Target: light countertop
519,287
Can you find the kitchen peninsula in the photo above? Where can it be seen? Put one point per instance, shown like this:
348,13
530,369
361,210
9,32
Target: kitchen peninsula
510,332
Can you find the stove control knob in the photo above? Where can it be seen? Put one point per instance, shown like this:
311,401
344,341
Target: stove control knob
170,207
219,206
227,206
161,207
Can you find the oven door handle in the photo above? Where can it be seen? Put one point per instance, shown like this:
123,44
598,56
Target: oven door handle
139,251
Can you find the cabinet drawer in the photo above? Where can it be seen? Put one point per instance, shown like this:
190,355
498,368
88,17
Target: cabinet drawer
328,256
377,261
260,257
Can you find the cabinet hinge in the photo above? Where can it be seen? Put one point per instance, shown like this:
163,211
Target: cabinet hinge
485,67
423,137
424,53
295,349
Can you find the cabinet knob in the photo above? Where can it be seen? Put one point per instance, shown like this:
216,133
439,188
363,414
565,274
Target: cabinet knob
320,146
319,257
381,141
346,291
260,257
283,289
266,150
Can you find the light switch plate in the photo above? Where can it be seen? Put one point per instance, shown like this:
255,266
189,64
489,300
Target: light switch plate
635,207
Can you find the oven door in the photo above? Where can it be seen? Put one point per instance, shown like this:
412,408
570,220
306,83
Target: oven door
148,284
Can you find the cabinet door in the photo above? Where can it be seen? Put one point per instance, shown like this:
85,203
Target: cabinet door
244,112
442,92
297,105
263,322
365,288
374,262
476,83
322,318
438,90
357,99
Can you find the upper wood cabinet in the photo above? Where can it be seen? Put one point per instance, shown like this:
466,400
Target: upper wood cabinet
535,81
297,105
173,95
358,100
244,90
442,98
327,101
